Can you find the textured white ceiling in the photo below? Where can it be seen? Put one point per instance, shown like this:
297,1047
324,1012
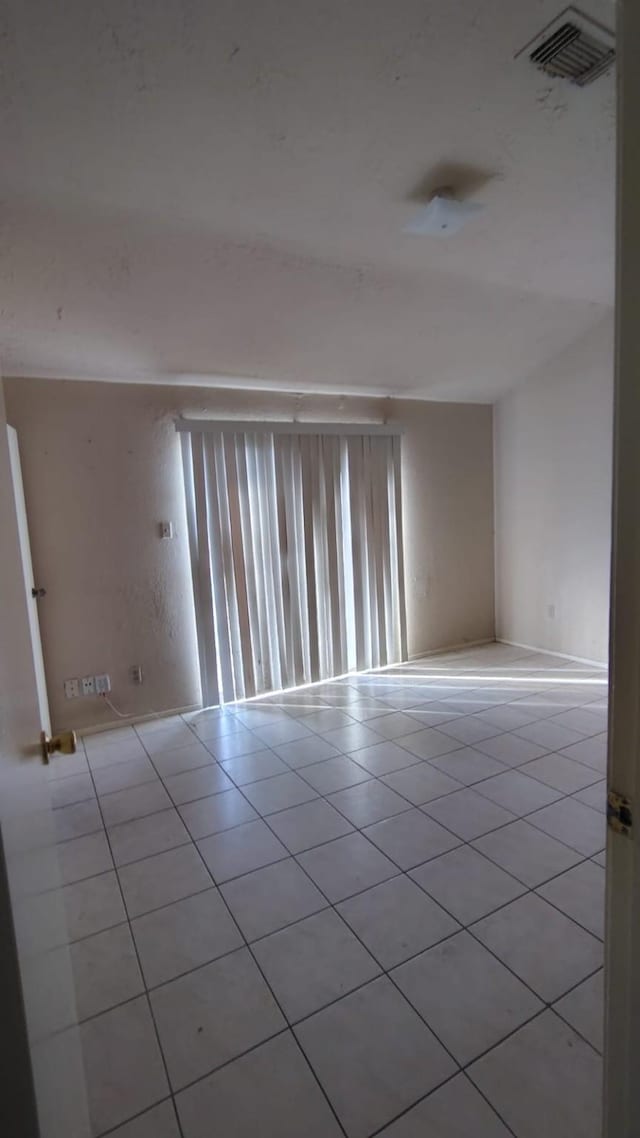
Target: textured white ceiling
218,188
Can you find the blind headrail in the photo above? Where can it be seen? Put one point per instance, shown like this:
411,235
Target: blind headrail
279,427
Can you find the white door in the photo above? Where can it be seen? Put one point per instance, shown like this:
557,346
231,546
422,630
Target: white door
43,1086
622,965
27,570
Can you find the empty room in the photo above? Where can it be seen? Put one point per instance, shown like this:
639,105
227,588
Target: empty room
318,448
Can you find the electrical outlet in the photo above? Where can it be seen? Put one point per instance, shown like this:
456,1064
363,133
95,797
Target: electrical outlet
166,529
88,685
135,674
71,689
103,684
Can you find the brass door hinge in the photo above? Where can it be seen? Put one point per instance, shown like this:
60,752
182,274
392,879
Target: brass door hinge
619,816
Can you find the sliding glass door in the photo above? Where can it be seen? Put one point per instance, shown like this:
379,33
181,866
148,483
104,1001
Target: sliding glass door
296,550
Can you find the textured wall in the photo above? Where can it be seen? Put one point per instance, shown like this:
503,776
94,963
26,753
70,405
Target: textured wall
101,466
553,502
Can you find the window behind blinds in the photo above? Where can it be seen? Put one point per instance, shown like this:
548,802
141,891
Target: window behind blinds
296,552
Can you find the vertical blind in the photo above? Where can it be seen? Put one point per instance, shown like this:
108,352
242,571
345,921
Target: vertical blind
296,554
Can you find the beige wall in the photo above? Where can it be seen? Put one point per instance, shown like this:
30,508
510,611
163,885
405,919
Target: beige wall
101,466
553,440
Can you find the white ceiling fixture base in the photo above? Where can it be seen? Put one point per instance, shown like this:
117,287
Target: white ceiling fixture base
443,216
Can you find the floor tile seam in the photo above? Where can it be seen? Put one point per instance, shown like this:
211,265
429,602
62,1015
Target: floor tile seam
256,962
531,813
377,778
569,916
355,829
332,905
546,1003
320,794
139,962
503,905
423,807
567,711
190,840
455,1075
350,754
134,786
556,750
133,1117
404,872
583,858
316,734
290,924
464,1068
462,928
565,793
87,834
469,928
507,767
346,754
140,736
554,1008
172,809
561,794
265,820
63,805
562,842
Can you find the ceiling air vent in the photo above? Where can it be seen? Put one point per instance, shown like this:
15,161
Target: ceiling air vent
573,47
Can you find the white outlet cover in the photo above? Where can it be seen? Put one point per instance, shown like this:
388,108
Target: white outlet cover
71,689
88,685
103,684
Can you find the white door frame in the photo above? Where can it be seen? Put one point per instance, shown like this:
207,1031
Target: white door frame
622,963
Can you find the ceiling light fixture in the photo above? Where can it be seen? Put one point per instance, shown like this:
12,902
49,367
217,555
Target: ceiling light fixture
443,216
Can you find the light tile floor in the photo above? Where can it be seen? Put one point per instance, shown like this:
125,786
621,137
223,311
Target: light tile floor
374,906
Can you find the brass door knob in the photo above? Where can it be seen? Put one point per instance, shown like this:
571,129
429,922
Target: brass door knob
65,742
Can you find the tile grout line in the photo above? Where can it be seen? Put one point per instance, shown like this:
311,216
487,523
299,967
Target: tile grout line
142,976
461,842
387,973
268,746
380,779
298,1042
358,830
397,741
528,889
141,1113
423,808
247,946
413,1105
332,905
351,896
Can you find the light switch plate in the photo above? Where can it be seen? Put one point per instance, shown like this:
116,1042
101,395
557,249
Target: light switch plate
71,689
